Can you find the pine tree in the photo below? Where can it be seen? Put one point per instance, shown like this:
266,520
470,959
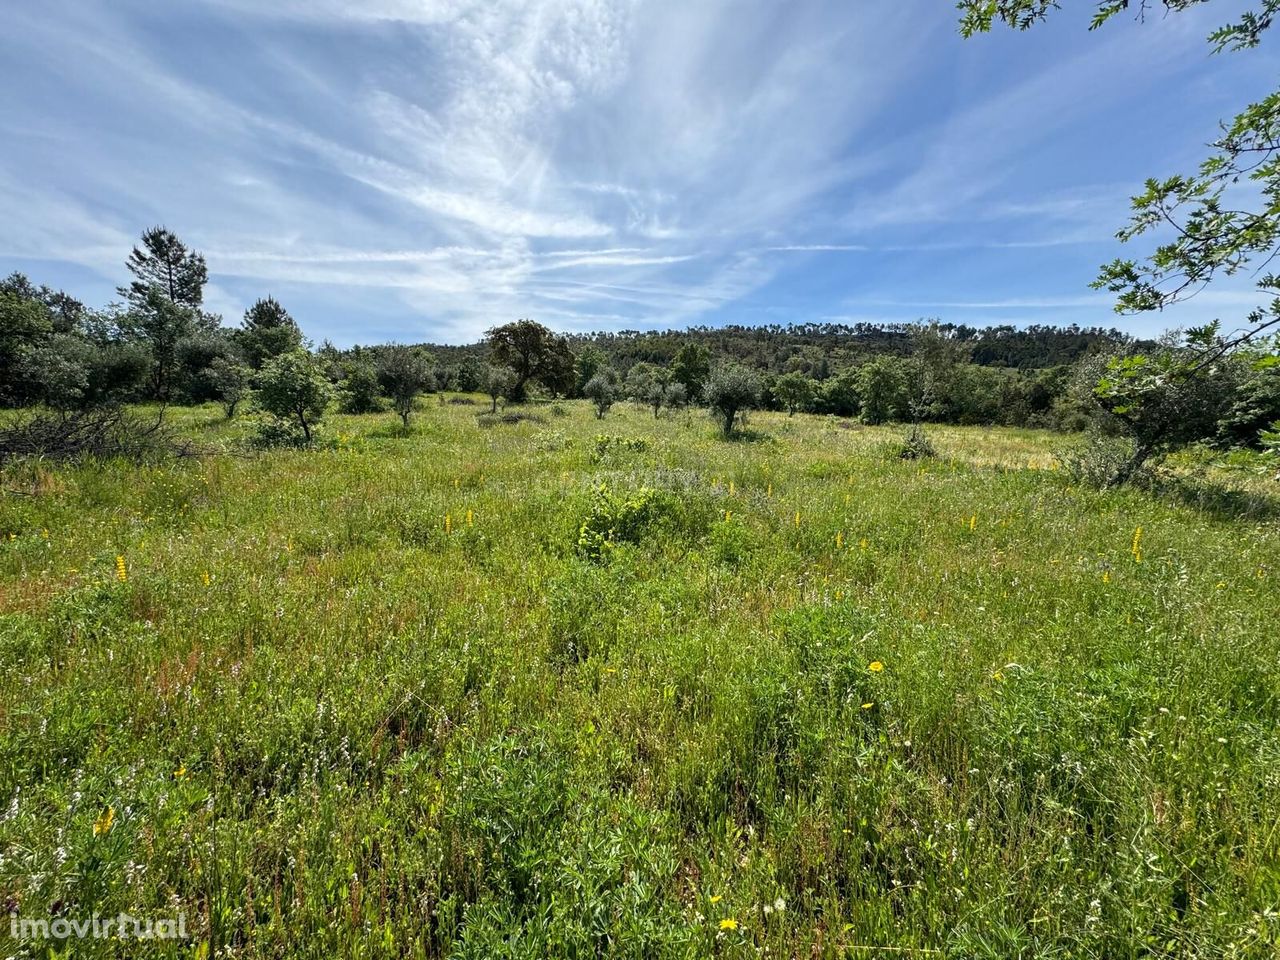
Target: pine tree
164,262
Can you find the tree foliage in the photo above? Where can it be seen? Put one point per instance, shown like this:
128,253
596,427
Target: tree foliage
164,262
730,391
267,331
293,388
533,353
404,374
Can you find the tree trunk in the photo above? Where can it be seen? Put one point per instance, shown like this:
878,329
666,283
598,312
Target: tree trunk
1141,454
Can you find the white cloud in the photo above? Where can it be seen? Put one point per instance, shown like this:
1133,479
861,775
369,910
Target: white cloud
618,162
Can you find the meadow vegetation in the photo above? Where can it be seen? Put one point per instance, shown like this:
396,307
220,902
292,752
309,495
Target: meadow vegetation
564,687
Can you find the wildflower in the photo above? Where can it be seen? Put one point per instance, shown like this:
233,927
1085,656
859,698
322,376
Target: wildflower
840,540
998,677
1136,547
973,523
875,666
728,923
780,905
868,706
122,572
204,577
468,518
1106,576
862,544
769,492
728,515
104,821
180,773
717,898
448,524
731,488
797,518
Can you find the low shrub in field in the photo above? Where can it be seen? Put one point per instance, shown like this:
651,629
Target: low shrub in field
916,445
270,432
550,441
614,519
493,419
607,443
1097,461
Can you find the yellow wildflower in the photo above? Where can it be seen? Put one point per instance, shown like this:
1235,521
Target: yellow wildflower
468,518
122,572
180,773
728,923
868,706
875,666
840,540
104,821
717,898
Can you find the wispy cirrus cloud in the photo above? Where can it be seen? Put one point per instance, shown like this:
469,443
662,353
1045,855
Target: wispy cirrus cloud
425,168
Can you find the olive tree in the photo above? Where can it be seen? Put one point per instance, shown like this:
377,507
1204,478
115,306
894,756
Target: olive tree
404,373
602,392
731,390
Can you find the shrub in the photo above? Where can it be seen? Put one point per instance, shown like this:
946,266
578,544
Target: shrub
916,445
358,392
607,443
613,519
1098,461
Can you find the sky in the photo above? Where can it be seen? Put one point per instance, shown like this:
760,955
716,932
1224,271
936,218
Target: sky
422,170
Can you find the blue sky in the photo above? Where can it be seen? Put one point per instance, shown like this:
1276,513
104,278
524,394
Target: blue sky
424,169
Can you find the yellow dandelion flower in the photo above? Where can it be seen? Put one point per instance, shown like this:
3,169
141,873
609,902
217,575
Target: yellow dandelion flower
717,898
728,923
102,825
875,666
998,677
868,706
122,572
180,773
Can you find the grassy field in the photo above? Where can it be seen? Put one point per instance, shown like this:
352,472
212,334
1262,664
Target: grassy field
518,691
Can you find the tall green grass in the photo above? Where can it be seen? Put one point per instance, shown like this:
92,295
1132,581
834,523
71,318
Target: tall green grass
380,699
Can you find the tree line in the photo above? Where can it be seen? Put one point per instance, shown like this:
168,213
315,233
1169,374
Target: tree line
158,344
